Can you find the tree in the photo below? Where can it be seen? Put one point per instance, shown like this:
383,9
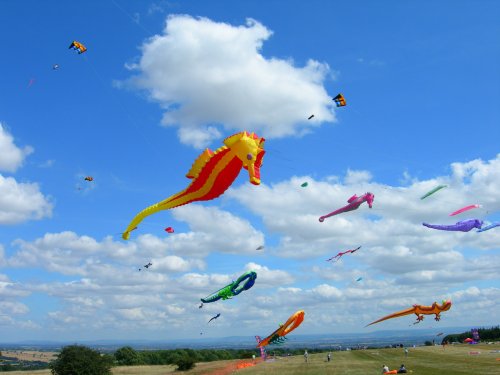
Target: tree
80,360
127,356
184,363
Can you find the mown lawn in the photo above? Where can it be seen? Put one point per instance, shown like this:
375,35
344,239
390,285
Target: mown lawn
430,360
420,361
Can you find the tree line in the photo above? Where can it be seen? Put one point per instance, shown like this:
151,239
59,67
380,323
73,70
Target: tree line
485,334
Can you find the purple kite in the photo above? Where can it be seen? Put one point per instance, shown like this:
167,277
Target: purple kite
461,226
354,203
339,255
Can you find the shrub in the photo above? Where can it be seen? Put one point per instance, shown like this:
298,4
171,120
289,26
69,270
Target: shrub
127,356
80,360
184,363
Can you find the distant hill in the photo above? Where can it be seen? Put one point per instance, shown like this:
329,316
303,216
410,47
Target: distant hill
376,339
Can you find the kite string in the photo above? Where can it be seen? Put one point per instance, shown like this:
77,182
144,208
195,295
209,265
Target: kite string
134,20
124,109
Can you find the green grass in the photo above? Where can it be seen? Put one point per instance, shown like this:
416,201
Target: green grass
429,360
420,361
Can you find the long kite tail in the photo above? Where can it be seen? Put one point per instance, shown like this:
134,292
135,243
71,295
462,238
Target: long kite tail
438,226
165,204
408,311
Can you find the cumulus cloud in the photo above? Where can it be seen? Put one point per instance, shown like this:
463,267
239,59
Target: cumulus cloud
210,75
391,232
21,201
269,277
401,262
11,157
70,254
214,230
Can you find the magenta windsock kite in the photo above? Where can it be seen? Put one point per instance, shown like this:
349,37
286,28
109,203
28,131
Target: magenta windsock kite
463,209
354,203
461,226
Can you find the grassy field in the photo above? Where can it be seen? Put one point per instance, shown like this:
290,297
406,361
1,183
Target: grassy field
30,355
420,361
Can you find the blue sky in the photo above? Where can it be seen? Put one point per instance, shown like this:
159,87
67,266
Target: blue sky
163,80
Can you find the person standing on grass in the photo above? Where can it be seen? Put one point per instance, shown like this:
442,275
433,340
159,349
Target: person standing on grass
306,355
329,356
406,352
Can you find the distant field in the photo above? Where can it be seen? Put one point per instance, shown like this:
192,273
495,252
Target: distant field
30,355
421,361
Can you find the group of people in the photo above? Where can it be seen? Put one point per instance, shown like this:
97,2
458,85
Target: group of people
401,370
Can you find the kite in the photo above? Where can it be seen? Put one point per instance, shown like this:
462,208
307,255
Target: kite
461,226
55,67
439,187
215,317
89,178
169,230
310,117
212,173
440,334
419,311
31,82
339,100
354,203
490,226
260,247
339,255
147,265
359,279
466,208
304,184
244,282
77,46
278,336
263,353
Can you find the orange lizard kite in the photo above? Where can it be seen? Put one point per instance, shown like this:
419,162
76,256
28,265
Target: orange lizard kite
420,311
212,174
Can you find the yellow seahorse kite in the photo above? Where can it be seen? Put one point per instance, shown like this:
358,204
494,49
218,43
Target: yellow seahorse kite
212,173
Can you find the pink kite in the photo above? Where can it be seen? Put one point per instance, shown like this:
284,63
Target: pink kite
339,255
466,208
169,230
354,203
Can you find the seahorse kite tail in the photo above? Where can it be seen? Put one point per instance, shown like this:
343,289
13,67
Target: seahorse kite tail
420,311
213,173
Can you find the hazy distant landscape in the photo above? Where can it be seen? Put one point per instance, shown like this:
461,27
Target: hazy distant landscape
373,339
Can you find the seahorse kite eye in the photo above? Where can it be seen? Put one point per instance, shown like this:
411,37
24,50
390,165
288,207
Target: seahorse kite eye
213,173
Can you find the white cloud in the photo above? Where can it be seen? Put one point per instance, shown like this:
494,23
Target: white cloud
210,74
268,277
357,177
11,157
401,262
394,223
213,230
20,202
